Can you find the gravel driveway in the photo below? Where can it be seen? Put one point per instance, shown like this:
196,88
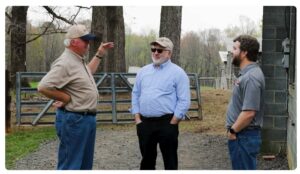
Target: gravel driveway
119,150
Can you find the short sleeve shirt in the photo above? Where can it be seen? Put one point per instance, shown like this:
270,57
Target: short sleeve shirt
70,73
248,94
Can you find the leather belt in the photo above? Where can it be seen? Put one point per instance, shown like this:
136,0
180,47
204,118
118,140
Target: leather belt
81,113
163,117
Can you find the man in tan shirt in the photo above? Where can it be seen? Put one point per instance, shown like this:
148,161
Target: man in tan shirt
71,84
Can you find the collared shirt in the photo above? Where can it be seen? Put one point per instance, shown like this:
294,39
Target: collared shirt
161,90
70,73
248,94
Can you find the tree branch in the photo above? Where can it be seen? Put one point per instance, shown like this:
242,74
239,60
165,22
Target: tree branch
49,33
10,19
84,7
73,17
49,10
41,34
8,16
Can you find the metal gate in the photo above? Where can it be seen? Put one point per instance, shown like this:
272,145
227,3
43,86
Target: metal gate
113,106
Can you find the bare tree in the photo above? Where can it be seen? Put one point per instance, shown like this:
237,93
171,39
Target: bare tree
209,48
52,46
35,52
116,33
48,28
8,21
108,25
99,28
18,41
170,26
190,52
245,26
248,26
19,36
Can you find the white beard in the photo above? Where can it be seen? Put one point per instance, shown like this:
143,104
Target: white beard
159,61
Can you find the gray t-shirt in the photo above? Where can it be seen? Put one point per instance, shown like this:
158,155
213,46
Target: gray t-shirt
248,94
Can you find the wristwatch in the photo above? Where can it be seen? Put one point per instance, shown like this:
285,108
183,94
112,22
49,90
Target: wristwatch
99,56
232,131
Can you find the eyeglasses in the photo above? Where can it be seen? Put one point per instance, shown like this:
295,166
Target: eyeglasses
153,50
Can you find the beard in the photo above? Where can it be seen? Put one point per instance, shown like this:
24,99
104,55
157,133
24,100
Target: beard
159,61
236,61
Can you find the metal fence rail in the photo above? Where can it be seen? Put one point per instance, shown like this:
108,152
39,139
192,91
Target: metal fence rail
109,85
216,82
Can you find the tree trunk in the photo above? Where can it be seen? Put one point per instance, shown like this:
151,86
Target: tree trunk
116,33
18,42
99,26
7,103
170,27
108,26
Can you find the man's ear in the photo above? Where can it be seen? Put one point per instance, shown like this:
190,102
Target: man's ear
244,53
73,42
170,54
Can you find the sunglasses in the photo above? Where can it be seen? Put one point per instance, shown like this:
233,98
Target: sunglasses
153,50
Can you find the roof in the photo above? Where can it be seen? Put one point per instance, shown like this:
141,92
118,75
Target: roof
223,55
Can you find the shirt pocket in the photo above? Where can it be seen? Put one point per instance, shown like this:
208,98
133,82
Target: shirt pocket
166,86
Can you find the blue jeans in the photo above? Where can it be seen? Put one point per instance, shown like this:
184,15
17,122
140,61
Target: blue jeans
77,134
244,149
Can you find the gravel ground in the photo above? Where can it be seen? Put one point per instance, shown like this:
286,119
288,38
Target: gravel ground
119,150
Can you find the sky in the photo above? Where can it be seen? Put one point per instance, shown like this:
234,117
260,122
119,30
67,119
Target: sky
141,19
194,18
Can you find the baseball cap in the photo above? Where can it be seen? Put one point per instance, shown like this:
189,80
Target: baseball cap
164,42
79,31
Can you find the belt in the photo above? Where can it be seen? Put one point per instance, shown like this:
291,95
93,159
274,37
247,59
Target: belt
249,128
163,117
81,113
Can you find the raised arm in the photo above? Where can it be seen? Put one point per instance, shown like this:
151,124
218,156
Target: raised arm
102,50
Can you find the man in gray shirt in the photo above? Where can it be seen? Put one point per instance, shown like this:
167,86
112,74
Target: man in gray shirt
70,82
245,110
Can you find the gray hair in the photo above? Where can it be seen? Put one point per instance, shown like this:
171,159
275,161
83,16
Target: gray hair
67,42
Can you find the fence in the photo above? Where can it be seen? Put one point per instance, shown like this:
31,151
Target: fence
113,106
216,82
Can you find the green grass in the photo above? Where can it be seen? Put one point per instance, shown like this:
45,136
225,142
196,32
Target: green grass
21,142
33,84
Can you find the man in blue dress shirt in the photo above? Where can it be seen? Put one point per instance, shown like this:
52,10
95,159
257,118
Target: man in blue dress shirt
160,99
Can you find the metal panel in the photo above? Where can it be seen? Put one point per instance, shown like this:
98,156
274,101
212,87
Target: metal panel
112,90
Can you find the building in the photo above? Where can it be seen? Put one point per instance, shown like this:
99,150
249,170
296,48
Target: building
279,66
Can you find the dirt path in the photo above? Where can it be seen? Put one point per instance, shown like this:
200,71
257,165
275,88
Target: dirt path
119,150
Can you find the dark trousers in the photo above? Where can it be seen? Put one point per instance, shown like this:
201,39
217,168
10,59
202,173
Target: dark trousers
153,131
